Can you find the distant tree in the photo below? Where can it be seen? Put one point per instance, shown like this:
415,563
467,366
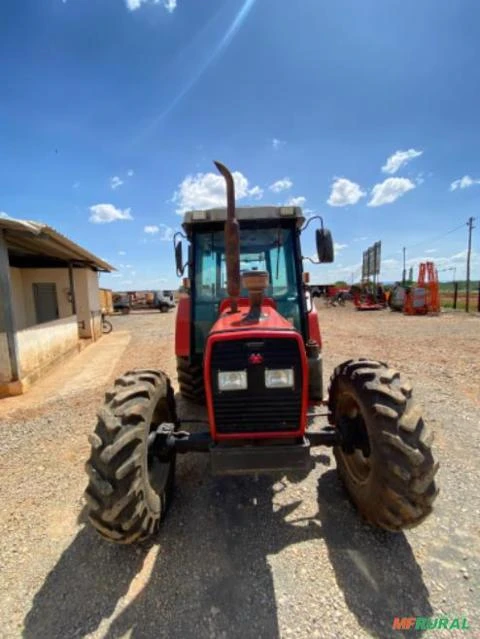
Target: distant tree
341,284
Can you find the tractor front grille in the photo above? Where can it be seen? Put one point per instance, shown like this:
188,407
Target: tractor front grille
257,409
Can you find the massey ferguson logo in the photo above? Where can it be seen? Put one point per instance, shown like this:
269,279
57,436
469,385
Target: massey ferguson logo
255,358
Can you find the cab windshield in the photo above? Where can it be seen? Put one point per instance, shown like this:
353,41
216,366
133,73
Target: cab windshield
264,249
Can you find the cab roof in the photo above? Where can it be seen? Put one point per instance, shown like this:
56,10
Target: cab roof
195,219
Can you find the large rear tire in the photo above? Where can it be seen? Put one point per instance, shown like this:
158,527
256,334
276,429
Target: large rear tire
386,461
129,489
190,380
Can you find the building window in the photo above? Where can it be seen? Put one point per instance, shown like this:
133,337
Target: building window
45,299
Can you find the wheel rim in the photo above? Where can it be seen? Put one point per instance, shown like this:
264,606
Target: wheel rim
354,430
159,468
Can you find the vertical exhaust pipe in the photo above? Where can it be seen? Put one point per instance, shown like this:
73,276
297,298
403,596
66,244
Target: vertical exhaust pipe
232,240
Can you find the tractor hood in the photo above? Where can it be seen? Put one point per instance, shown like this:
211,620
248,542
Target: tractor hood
240,322
254,349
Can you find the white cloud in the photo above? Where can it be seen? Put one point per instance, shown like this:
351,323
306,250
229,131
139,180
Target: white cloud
390,262
156,280
345,192
399,159
335,273
4,215
105,213
115,182
339,247
256,193
130,173
170,5
277,144
390,190
296,201
457,260
207,190
117,275
164,232
460,257
463,183
121,253
431,250
281,185
360,239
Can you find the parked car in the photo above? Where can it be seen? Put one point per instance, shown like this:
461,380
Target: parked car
143,300
121,304
164,304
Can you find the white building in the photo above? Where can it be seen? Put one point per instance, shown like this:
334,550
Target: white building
49,301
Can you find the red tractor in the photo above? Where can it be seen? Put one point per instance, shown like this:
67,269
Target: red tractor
248,345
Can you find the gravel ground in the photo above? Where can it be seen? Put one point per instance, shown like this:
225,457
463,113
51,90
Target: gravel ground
238,557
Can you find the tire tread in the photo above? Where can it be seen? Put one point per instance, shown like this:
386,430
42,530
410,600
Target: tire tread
118,481
402,486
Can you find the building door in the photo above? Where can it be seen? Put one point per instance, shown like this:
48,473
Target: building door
45,299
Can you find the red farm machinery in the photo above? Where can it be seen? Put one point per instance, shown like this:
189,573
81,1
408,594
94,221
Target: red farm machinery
421,298
370,297
248,345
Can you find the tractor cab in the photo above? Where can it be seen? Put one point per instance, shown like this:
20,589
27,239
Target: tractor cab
269,242
227,248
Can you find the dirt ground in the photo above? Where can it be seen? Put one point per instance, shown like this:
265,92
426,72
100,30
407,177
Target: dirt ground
239,557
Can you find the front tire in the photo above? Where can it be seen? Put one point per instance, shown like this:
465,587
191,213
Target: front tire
130,490
386,461
190,380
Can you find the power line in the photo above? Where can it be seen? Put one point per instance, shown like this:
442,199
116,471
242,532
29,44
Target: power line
439,237
435,239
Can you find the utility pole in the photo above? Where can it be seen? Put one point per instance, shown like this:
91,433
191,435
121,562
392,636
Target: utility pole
404,274
469,252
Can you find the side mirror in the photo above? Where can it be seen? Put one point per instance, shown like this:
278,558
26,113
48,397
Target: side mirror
325,250
179,258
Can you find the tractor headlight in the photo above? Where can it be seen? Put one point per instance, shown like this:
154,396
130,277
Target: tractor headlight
279,378
232,380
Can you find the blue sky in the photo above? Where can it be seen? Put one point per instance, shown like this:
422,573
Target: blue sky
365,112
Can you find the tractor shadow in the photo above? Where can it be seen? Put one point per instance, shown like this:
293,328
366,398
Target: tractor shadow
212,577
208,573
375,570
83,588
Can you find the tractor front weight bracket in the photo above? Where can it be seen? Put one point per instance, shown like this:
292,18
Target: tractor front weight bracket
165,438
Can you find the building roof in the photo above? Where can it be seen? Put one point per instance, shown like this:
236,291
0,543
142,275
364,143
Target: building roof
197,218
36,244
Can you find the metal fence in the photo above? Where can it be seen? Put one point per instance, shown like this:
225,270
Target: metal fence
455,296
